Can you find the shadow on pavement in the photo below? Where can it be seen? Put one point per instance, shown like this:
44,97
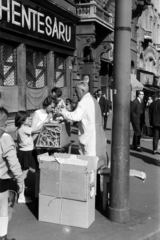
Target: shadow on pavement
33,207
145,158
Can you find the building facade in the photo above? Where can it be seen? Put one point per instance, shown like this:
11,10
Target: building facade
148,46
94,44
37,39
57,43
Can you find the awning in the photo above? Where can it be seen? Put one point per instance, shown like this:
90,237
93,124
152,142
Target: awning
152,89
149,89
135,84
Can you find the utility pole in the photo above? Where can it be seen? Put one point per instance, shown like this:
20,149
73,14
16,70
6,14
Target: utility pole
119,208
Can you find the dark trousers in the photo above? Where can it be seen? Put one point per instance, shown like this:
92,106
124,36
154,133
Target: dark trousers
156,135
137,135
105,122
136,140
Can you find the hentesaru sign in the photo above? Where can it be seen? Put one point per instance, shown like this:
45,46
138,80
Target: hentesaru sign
30,19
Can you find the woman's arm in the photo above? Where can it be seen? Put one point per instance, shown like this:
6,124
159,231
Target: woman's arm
35,120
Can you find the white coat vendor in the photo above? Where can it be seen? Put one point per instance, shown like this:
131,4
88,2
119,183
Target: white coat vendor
92,139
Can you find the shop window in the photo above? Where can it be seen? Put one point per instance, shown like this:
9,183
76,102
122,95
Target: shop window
60,71
8,65
36,68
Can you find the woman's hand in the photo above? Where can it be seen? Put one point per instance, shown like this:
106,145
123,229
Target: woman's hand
50,116
63,111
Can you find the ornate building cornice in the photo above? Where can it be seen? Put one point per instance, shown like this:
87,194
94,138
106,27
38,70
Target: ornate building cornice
138,6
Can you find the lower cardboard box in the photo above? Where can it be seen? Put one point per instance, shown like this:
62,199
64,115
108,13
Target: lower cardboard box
66,212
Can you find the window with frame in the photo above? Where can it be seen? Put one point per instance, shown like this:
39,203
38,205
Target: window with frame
8,64
36,68
60,71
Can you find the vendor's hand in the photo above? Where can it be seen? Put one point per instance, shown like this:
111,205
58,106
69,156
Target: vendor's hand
57,114
50,115
20,187
104,114
63,111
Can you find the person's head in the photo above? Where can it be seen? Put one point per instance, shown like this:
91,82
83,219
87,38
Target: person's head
95,94
3,117
81,89
86,78
156,95
140,94
49,103
99,92
56,92
68,101
22,118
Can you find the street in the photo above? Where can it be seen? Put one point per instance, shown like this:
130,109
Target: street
144,209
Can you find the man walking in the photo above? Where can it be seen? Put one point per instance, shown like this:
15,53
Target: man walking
154,115
107,108
137,119
102,102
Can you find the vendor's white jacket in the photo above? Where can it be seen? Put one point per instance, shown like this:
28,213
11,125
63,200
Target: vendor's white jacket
92,139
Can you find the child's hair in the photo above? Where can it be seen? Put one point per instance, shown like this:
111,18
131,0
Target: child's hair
68,99
3,116
48,100
20,118
57,90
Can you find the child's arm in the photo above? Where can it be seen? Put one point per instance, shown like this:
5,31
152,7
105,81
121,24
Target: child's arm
10,155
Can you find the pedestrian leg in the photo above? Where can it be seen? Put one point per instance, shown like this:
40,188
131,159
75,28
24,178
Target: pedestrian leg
155,138
105,122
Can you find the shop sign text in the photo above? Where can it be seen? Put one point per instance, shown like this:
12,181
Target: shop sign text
28,18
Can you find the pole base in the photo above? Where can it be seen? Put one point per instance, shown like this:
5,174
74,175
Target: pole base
119,215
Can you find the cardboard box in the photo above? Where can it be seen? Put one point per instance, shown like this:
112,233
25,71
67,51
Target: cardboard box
54,135
66,212
68,176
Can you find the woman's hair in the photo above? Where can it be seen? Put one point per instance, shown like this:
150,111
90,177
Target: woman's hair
68,99
3,116
49,100
20,118
58,91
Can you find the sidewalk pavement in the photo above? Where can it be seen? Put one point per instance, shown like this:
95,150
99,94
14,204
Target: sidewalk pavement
144,221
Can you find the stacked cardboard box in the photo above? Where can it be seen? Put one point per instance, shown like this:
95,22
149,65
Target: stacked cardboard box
67,189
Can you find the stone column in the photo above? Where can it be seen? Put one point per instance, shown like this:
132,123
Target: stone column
119,209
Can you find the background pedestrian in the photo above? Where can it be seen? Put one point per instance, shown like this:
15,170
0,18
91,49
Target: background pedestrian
137,119
154,113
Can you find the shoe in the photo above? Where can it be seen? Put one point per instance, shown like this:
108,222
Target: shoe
139,149
154,152
24,200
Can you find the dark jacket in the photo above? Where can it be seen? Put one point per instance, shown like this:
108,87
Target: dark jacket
154,113
137,112
102,103
107,106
